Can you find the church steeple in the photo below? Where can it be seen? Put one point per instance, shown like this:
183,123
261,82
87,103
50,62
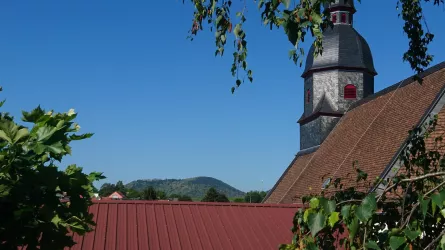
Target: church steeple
342,75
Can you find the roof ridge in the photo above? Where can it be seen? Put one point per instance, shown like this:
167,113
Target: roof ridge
406,81
197,203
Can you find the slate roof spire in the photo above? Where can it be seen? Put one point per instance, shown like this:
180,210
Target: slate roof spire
341,75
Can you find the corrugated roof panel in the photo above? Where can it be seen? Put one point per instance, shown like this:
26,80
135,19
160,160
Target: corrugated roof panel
217,222
229,226
132,228
182,228
111,235
239,214
142,230
204,215
122,219
79,240
191,227
145,225
153,229
164,240
171,227
204,235
88,239
100,232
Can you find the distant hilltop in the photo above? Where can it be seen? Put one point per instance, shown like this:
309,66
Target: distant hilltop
193,187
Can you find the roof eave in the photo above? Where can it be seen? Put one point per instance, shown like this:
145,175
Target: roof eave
314,70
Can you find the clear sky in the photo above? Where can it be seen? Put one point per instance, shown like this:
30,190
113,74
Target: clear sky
160,106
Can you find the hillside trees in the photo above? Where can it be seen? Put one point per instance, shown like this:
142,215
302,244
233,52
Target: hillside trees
107,189
31,182
255,196
149,194
406,211
213,195
297,18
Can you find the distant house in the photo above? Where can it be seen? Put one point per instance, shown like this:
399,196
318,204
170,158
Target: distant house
116,196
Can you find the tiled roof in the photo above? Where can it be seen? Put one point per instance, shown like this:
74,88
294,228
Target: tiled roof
187,225
287,179
371,133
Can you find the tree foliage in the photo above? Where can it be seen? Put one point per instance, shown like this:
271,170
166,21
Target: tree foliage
213,195
107,189
406,211
149,194
255,196
297,20
31,183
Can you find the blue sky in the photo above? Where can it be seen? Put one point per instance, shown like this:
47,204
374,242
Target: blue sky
160,106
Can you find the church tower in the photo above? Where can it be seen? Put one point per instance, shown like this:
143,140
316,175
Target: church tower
342,75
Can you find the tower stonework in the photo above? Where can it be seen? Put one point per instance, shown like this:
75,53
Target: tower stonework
341,75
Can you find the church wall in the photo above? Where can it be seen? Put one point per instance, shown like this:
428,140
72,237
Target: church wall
308,85
368,84
345,78
326,82
327,125
310,134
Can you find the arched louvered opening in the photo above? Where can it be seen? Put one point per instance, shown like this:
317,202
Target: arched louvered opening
334,18
350,92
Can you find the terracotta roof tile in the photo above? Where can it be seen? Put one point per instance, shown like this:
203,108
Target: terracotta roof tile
187,225
371,134
288,178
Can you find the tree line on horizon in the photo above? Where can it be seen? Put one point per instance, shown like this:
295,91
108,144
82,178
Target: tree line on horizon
150,193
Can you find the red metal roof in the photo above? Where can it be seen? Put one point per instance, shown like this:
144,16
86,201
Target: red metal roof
143,225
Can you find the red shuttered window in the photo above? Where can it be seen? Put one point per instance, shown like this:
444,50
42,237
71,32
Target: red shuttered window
350,92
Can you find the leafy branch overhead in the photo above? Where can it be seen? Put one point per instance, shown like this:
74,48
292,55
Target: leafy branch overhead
297,18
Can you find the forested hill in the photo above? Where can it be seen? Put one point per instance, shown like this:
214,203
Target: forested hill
193,187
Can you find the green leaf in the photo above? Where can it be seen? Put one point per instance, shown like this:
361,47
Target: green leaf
237,29
395,242
345,211
333,218
56,220
55,148
372,245
20,134
442,243
44,133
316,223
4,136
316,18
412,235
352,228
433,207
33,116
286,3
438,200
81,137
424,205
365,211
306,214
327,205
314,202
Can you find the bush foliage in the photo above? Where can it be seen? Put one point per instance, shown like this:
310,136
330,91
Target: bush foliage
31,183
